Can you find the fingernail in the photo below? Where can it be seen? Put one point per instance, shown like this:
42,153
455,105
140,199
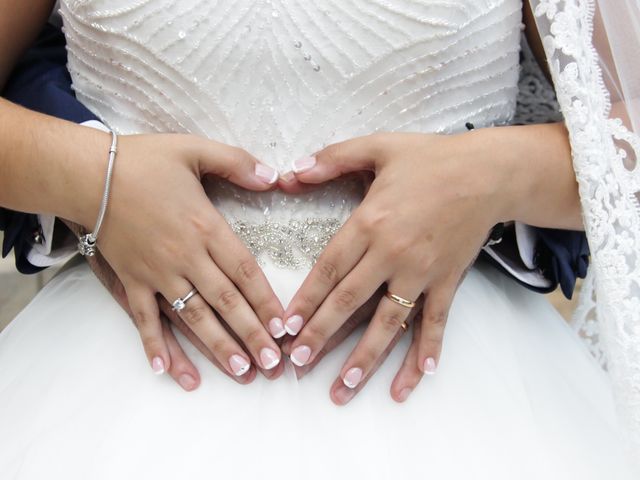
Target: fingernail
269,358
352,377
276,327
404,393
300,355
293,325
187,382
429,366
288,176
266,174
304,164
158,365
239,365
344,395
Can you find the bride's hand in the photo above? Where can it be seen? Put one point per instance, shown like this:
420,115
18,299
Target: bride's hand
162,235
180,367
405,380
422,223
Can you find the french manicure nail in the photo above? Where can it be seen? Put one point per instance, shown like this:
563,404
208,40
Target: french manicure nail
404,393
352,377
266,174
158,365
429,366
300,355
276,327
293,325
269,358
303,164
239,365
187,382
288,176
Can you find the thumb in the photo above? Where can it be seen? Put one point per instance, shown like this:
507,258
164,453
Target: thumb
235,165
355,155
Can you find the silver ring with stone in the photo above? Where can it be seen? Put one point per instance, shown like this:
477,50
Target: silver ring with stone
179,304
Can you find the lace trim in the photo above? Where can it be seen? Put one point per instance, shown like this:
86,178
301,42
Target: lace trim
585,320
608,195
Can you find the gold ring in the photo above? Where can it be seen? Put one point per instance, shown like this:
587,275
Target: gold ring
404,326
400,301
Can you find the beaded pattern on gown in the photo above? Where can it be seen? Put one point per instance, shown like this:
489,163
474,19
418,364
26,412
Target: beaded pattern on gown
283,79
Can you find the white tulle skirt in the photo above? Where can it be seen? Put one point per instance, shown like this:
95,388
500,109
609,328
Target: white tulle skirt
516,396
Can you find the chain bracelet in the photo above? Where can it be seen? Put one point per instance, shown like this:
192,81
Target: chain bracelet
87,242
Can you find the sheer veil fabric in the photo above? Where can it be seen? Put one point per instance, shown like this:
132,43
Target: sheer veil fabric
592,48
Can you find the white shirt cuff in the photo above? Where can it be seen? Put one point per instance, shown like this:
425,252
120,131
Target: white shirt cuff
523,268
526,238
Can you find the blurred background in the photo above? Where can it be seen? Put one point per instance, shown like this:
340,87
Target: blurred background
16,290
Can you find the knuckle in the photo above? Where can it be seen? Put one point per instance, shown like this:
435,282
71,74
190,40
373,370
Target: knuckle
143,319
153,262
218,347
254,336
152,344
227,300
202,225
431,345
345,299
391,321
436,318
378,142
305,303
241,155
399,247
265,306
314,333
369,355
332,152
422,267
194,314
247,270
369,222
327,271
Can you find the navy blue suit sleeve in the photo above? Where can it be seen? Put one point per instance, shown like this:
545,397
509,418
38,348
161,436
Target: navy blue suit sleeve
560,256
41,82
563,257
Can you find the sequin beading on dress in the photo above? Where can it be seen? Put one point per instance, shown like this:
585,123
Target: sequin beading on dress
284,78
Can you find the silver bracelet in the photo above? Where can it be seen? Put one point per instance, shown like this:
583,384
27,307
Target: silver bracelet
87,243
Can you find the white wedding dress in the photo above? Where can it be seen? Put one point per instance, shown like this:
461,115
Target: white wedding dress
517,395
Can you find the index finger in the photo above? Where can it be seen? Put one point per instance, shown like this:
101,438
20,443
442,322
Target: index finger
236,261
341,255
363,314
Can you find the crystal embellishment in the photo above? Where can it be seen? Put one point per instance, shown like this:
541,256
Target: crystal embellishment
87,245
295,244
178,305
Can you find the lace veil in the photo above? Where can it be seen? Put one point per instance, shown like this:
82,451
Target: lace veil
592,50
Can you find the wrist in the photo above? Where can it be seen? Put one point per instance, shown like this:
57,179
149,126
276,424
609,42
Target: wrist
83,176
533,174
497,179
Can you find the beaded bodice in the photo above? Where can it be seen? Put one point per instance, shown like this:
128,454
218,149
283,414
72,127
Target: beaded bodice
282,78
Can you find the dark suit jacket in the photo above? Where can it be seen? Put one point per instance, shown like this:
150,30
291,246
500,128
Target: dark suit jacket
41,82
